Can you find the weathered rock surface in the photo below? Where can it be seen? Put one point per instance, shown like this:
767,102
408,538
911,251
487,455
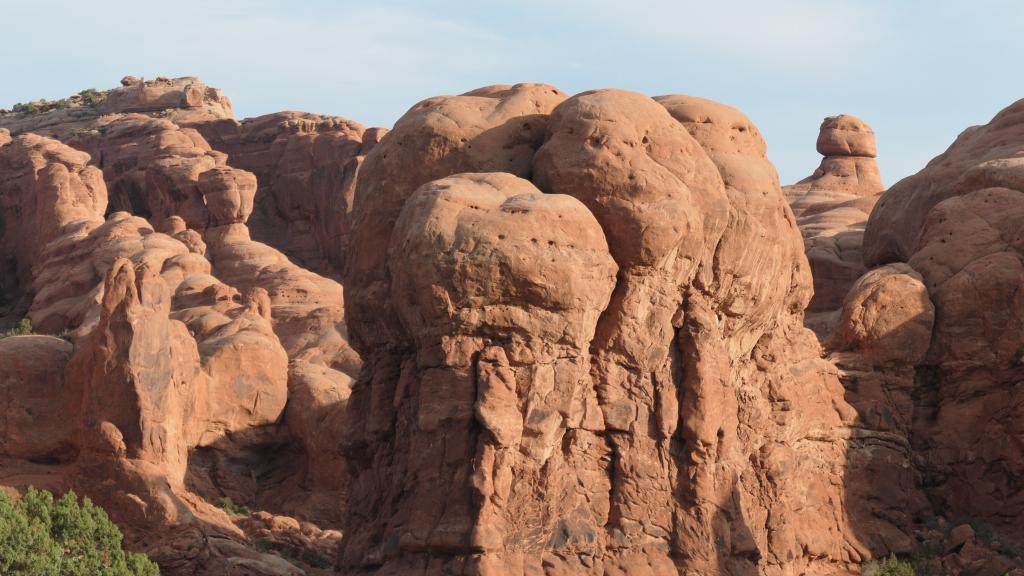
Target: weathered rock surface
44,187
981,157
153,168
832,207
495,129
306,166
578,327
609,429
887,317
971,258
181,100
196,367
953,236
37,420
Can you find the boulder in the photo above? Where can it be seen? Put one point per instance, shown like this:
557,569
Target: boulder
41,411
887,317
492,129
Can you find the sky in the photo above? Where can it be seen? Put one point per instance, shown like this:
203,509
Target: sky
917,71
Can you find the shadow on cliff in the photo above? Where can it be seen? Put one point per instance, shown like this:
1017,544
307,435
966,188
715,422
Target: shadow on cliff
14,303
882,497
262,469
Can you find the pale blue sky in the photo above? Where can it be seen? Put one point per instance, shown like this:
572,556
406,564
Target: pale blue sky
918,71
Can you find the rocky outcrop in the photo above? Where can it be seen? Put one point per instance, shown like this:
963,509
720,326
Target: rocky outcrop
981,157
952,234
579,341
181,100
153,168
197,369
306,166
44,187
848,146
571,380
495,129
970,256
832,207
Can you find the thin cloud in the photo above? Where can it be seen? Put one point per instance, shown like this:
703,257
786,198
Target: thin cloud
918,71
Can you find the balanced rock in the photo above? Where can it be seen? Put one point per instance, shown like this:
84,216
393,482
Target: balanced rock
832,206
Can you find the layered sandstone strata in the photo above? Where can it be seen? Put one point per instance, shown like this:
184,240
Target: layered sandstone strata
832,207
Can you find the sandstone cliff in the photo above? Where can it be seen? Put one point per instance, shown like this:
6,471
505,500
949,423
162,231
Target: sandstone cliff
522,332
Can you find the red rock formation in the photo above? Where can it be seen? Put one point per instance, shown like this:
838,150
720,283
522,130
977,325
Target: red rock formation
956,226
191,366
39,414
306,165
981,157
581,323
44,187
180,100
511,418
183,100
832,207
887,317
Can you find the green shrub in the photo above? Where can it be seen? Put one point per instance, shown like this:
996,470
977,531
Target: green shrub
316,559
91,97
1010,550
25,108
41,106
24,328
40,536
264,545
229,506
891,566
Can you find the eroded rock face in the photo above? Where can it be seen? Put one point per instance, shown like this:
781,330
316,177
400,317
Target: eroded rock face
193,364
970,256
495,129
502,285
40,410
306,165
580,334
981,157
44,187
153,169
756,211
832,207
580,372
952,232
